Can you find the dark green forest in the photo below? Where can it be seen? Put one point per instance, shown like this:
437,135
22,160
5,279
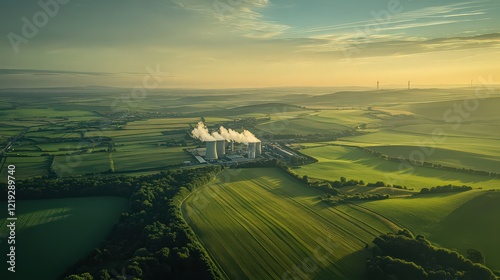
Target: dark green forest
151,240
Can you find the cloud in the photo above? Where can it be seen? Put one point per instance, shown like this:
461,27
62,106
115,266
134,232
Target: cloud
48,72
423,17
45,72
241,15
399,45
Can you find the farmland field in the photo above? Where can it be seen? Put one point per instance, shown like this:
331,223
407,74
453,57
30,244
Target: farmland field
54,234
27,166
352,163
261,224
459,221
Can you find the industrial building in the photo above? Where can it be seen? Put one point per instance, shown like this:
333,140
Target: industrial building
221,148
211,152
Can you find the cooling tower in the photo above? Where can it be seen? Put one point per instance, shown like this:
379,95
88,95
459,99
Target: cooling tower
258,149
251,149
221,148
211,152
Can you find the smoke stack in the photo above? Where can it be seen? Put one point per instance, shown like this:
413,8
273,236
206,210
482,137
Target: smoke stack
251,149
211,152
258,149
221,148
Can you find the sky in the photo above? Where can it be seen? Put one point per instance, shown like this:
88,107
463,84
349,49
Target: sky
248,44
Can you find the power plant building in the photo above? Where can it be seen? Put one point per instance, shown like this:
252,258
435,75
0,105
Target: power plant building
251,149
211,152
258,149
221,148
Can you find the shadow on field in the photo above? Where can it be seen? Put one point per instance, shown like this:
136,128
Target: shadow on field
473,225
351,266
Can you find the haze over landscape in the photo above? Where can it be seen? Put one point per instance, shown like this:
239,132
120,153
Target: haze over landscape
238,139
220,44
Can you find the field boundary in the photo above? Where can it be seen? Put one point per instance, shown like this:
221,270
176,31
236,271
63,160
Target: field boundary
184,215
389,222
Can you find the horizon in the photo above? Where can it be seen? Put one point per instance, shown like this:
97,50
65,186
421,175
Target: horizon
342,88
200,44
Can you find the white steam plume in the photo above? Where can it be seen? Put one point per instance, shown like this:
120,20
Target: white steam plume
250,136
231,135
201,132
217,136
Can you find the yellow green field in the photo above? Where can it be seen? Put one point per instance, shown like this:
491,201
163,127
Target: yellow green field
260,224
350,162
457,221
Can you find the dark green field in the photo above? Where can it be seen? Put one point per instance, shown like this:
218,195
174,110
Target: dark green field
51,235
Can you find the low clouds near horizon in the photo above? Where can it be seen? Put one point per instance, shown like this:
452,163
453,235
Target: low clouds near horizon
221,43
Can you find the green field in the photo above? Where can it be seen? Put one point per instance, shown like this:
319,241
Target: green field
148,156
339,161
27,166
261,224
458,221
478,160
81,164
52,235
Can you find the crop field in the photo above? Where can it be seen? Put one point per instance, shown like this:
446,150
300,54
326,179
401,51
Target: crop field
459,221
300,126
339,161
26,166
148,157
261,224
345,117
456,158
81,164
38,113
52,235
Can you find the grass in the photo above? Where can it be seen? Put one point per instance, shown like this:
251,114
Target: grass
261,224
458,221
136,157
38,113
52,235
300,126
447,157
26,166
81,164
352,163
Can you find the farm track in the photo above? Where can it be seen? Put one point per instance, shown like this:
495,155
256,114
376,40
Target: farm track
309,210
390,223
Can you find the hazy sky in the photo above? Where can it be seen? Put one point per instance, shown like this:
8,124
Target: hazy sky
243,43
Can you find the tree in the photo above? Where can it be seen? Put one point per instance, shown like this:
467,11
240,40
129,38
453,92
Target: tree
305,178
84,276
343,180
475,256
104,275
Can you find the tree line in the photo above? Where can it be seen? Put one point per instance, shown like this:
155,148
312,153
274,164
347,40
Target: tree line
405,257
445,189
151,240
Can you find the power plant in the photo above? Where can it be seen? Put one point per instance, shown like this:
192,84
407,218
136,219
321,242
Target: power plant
221,148
251,150
211,152
258,149
216,141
